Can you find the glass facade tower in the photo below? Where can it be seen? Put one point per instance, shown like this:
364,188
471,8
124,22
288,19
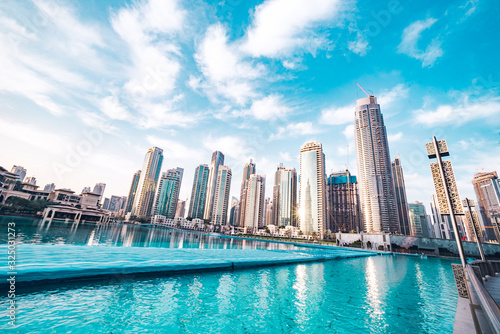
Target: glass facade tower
312,212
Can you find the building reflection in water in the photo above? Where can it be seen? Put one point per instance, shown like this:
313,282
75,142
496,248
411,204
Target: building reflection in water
373,292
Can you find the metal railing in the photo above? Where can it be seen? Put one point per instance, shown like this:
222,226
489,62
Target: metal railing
490,308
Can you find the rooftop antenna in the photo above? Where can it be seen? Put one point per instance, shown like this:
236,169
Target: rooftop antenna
363,89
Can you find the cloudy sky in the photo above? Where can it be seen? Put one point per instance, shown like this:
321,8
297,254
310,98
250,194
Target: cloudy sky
87,87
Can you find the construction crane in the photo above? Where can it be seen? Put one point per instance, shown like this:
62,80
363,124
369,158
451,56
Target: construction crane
335,221
363,89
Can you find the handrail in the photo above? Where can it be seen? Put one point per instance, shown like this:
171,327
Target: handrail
490,308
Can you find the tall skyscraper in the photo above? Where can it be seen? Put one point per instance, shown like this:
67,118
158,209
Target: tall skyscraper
419,225
19,171
115,203
99,189
133,190
221,196
285,197
105,204
312,196
167,194
248,170
487,189
268,206
217,161
49,187
30,179
254,204
144,197
198,192
401,201
344,213
374,168
181,209
276,196
234,211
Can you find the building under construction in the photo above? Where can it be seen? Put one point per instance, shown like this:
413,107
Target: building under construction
343,203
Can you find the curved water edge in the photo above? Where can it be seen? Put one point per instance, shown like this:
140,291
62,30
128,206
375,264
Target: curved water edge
376,294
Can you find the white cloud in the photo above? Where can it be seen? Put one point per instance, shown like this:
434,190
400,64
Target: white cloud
394,137
460,113
174,150
33,135
97,121
157,115
285,156
388,97
269,107
281,28
234,147
224,68
112,108
410,38
146,28
337,116
47,77
295,129
360,46
349,132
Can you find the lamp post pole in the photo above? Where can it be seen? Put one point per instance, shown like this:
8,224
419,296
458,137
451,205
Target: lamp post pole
450,205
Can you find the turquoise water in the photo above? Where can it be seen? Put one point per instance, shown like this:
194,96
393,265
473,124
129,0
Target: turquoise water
379,294
35,231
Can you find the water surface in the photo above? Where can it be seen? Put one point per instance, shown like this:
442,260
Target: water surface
379,294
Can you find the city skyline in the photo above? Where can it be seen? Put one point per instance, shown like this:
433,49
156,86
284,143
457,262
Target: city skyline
309,95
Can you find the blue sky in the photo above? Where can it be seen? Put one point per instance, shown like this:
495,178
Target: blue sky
87,87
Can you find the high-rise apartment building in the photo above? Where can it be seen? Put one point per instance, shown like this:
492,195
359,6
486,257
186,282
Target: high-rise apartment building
167,194
19,171
116,203
401,201
276,196
49,187
234,212
285,197
419,224
99,190
248,170
254,204
181,209
133,190
217,161
268,209
374,168
443,228
487,189
344,212
312,195
199,192
31,180
144,197
221,196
